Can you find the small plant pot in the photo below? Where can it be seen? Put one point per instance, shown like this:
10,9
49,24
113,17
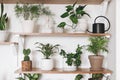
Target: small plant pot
47,64
96,62
28,26
66,67
26,65
3,35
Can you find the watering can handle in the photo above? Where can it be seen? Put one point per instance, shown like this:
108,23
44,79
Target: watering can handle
106,19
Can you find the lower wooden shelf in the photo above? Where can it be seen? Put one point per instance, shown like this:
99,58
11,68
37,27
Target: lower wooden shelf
59,71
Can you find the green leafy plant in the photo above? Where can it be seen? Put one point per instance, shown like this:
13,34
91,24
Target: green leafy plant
46,49
3,18
30,11
78,77
74,13
97,76
73,58
98,44
32,76
26,53
29,76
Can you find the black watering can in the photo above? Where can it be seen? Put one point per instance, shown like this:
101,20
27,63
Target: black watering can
99,27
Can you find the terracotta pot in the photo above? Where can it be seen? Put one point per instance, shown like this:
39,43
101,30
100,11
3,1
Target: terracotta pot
96,62
26,65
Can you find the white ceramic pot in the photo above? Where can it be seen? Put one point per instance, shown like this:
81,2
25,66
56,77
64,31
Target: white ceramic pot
3,35
46,24
47,64
66,67
82,26
28,26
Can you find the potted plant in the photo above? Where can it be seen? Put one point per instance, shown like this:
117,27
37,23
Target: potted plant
96,77
96,46
74,14
28,13
47,50
26,63
71,60
29,76
46,20
78,77
3,24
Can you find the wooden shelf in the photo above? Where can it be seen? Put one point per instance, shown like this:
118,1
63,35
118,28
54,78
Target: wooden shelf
56,71
62,34
8,43
52,1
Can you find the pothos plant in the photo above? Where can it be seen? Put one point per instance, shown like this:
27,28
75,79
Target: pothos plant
47,49
73,58
73,13
3,18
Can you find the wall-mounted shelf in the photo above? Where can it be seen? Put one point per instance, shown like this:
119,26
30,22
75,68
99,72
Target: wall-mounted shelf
55,71
52,1
62,34
7,43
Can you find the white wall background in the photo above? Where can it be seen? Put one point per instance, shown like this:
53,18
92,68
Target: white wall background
8,58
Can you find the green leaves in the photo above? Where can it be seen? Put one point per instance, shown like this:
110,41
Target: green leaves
46,49
78,77
74,14
65,15
97,76
62,25
74,19
3,18
98,44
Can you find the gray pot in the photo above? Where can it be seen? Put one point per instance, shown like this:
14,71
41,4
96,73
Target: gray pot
96,62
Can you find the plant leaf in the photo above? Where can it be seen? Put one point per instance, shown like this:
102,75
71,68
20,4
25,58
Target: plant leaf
62,25
64,15
74,19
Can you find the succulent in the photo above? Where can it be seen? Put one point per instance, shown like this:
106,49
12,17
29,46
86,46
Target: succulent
26,53
32,76
46,49
3,18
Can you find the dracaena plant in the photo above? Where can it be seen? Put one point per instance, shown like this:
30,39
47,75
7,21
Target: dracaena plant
26,53
98,44
72,58
47,49
74,13
3,18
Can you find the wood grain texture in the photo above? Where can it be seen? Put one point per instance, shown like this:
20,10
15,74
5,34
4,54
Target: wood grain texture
62,34
59,71
52,1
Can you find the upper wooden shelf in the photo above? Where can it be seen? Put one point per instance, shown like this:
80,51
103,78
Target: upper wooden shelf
56,71
62,34
52,1
7,43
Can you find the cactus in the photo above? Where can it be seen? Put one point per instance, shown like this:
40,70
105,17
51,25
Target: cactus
26,53
3,18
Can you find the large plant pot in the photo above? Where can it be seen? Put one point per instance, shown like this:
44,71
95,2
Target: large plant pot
3,35
47,64
96,62
26,65
28,26
66,67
